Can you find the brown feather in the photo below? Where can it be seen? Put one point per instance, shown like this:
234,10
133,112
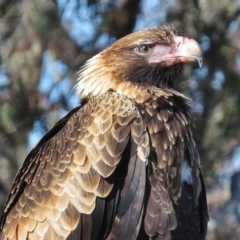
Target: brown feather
111,169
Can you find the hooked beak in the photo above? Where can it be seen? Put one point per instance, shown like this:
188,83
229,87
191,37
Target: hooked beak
181,50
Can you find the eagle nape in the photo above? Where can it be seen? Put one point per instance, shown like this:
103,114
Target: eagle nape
124,165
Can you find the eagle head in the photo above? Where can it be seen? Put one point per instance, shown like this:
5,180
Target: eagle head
148,58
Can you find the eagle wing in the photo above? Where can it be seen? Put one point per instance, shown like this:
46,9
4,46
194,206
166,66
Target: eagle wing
89,167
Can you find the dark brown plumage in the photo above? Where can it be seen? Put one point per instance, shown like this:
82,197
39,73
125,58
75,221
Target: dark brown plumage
124,165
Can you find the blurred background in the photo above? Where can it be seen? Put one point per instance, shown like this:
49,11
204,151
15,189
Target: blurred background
43,43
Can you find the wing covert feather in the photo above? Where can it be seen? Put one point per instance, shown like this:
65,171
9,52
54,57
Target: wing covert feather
93,175
72,165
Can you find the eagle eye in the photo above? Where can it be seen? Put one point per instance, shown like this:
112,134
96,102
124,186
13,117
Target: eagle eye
144,49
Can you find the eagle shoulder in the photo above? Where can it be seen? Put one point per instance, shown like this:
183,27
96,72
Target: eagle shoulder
72,166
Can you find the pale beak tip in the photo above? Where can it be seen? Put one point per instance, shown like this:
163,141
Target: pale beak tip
199,60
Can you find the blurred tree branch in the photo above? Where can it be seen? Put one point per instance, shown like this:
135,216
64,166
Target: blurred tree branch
122,18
